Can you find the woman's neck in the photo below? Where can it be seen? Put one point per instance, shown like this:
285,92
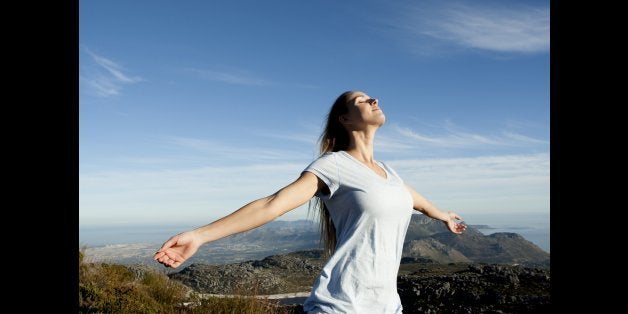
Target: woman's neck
361,145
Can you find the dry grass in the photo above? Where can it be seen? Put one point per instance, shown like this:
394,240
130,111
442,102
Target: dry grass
111,288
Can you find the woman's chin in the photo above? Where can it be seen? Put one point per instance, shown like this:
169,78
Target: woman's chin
382,119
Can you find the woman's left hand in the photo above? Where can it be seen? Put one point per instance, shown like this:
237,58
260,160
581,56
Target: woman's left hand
454,226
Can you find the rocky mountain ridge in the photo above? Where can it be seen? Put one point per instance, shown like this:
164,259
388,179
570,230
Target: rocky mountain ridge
426,239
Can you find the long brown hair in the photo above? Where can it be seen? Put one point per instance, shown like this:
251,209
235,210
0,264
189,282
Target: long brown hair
334,138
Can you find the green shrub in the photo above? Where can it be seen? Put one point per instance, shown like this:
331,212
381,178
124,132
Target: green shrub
241,304
112,288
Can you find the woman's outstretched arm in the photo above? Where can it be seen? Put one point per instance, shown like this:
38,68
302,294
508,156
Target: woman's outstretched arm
182,246
449,218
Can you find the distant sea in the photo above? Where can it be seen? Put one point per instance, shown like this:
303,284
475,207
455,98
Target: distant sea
94,236
534,227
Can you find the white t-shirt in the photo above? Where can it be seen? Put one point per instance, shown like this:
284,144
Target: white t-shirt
371,215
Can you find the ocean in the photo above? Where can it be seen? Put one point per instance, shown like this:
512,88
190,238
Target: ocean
534,227
95,236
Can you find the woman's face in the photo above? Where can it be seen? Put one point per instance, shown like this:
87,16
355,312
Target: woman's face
362,112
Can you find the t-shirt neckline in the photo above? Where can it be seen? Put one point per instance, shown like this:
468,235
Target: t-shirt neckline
367,167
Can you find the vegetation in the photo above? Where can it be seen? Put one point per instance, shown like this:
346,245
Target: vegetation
111,288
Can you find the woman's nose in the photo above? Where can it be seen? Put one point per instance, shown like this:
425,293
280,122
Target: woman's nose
373,101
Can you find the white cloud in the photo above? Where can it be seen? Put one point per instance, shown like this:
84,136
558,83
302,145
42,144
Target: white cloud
514,28
522,138
173,189
453,139
113,68
237,77
398,138
173,196
104,77
504,183
243,77
507,183
100,85
308,133
391,143
305,138
218,150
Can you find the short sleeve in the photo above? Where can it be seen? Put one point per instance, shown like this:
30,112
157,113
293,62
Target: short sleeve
326,169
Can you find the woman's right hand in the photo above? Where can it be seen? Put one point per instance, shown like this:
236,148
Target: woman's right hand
178,249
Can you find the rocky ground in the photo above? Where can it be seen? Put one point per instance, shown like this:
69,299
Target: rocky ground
424,287
294,272
478,288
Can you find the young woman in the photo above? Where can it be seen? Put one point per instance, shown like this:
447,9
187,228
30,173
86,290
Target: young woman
365,209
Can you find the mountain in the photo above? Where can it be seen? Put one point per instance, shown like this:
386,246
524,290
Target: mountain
280,233
503,247
429,239
430,250
426,240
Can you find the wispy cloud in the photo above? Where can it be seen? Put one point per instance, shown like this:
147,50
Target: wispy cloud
402,138
471,184
143,160
219,150
243,77
491,167
308,133
522,138
103,76
499,27
237,77
391,143
453,139
198,194
495,183
305,138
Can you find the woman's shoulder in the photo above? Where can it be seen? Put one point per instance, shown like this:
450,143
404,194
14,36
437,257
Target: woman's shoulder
327,158
330,154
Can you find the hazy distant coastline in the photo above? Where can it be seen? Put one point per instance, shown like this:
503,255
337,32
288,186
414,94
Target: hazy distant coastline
532,226
136,244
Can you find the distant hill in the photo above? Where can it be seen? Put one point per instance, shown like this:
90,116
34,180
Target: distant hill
502,247
293,235
427,240
431,250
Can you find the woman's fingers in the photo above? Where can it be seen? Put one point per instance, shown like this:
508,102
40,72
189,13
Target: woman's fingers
172,241
176,264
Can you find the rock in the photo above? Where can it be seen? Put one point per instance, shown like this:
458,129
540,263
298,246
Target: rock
478,289
423,287
293,272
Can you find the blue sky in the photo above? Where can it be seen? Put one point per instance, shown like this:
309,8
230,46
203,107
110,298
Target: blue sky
189,110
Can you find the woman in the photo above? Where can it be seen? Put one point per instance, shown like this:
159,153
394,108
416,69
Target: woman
365,209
